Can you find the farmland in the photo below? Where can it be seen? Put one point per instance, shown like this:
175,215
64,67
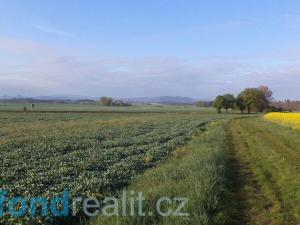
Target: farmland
42,154
286,119
93,107
234,168
267,165
242,171
197,171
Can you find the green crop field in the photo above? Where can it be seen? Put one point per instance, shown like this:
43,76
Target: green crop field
234,169
44,153
96,108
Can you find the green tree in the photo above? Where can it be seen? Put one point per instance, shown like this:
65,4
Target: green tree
218,103
228,101
248,96
254,99
240,103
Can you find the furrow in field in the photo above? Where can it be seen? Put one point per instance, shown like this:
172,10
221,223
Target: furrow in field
259,187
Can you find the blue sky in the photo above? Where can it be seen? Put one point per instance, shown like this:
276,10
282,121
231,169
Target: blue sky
147,48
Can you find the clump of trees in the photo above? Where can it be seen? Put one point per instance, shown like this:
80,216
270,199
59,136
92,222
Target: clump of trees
108,101
105,101
226,101
250,99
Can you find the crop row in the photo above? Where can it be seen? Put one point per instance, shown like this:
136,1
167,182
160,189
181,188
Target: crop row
84,161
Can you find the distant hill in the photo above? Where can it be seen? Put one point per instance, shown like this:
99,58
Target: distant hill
64,97
46,99
166,100
56,97
172,100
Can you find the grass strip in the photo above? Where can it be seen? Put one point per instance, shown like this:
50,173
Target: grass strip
268,157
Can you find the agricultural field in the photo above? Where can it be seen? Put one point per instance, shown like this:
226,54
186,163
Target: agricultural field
239,171
286,119
266,164
197,171
234,168
93,107
42,154
149,112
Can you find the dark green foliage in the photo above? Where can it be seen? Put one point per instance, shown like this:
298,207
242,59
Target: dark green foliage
252,99
240,103
228,101
218,103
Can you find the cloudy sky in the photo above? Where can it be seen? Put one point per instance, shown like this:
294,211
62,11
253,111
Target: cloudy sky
132,48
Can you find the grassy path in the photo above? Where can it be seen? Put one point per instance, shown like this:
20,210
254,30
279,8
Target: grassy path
264,172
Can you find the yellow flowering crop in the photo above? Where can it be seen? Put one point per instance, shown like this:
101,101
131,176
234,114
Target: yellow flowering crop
287,119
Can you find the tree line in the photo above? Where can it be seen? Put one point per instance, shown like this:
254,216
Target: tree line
250,100
108,101
287,105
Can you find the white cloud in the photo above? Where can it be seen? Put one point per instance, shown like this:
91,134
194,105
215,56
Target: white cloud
54,31
56,71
